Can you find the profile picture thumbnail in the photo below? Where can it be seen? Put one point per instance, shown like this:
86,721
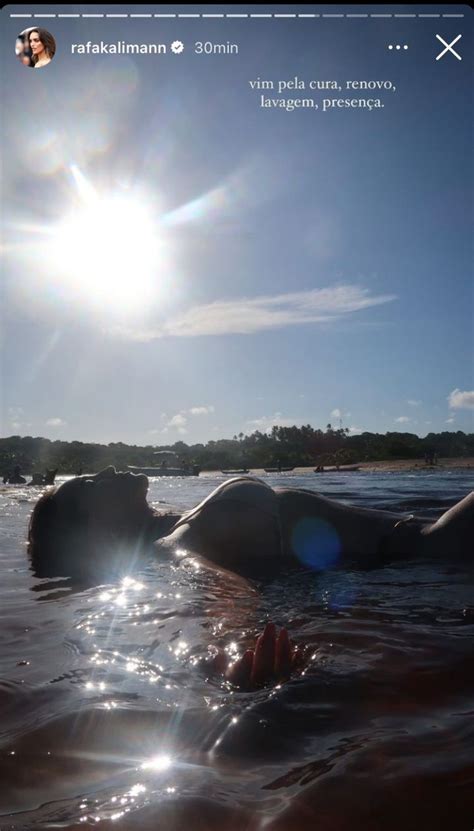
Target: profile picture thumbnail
35,47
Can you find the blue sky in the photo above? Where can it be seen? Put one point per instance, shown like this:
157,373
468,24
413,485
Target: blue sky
181,263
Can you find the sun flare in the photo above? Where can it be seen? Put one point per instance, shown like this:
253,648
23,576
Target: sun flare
107,250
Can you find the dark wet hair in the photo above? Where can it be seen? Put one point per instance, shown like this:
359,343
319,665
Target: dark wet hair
55,535
46,39
42,528
61,541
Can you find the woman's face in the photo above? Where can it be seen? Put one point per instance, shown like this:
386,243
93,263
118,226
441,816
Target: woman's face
36,44
107,500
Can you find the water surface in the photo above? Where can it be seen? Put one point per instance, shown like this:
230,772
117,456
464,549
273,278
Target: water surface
109,716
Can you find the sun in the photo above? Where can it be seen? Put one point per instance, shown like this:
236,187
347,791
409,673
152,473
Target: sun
107,249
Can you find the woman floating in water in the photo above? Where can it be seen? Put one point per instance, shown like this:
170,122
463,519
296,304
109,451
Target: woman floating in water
243,522
100,524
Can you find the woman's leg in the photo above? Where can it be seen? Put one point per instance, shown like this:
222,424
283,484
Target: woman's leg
321,532
452,535
318,532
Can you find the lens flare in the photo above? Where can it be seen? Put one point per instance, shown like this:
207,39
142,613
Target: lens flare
108,250
157,763
316,543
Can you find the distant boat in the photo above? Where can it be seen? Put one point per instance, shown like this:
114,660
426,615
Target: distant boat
278,469
337,469
238,472
165,470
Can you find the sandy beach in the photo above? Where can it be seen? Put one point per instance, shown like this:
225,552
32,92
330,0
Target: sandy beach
396,466
401,465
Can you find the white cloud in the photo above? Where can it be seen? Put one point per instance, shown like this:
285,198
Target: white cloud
55,422
450,420
413,403
402,419
459,400
265,423
248,315
353,431
178,420
15,415
202,410
337,413
178,423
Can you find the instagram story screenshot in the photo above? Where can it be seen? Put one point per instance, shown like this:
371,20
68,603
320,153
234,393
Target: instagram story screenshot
236,409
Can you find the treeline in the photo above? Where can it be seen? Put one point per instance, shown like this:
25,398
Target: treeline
297,446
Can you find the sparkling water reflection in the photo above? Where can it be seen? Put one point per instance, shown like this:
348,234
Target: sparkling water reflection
110,714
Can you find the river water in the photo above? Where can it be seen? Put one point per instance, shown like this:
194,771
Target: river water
109,717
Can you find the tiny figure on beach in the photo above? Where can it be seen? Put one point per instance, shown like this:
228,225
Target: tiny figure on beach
431,457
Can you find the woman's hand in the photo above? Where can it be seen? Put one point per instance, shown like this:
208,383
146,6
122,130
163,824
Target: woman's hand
273,659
